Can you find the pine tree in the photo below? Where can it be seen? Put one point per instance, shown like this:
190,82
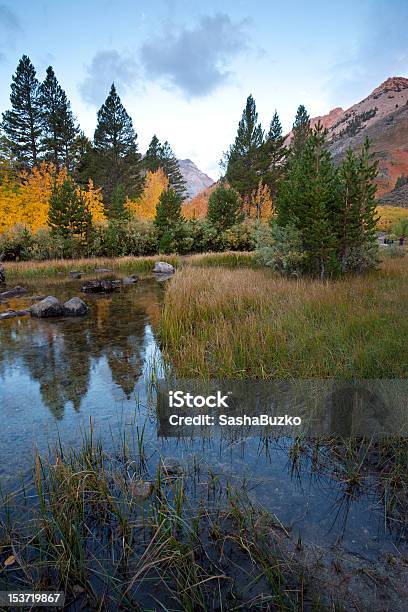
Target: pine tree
307,202
172,170
115,159
68,214
223,208
117,209
161,156
168,220
300,132
275,155
356,218
60,130
152,161
22,124
244,161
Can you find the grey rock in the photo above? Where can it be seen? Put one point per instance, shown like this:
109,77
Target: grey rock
9,314
99,286
162,267
171,467
141,488
75,274
130,280
75,307
50,307
2,275
16,292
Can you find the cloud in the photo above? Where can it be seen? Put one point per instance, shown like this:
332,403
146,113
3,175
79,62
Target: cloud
9,20
105,68
195,60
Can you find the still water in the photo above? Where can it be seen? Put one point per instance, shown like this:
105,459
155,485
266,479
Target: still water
56,374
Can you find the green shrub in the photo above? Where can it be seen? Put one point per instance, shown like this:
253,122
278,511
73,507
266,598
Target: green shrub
15,243
280,248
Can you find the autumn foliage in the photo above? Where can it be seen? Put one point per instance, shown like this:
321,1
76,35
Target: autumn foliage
145,206
25,197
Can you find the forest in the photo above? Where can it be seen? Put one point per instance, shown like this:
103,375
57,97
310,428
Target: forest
63,195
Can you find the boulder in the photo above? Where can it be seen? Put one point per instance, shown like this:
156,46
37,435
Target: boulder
162,267
2,275
49,307
75,307
130,280
103,270
9,314
16,292
99,286
75,274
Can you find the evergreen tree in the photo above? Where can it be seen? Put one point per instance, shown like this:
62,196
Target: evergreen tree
117,209
115,158
307,202
68,215
152,161
223,208
300,132
60,130
22,124
275,155
161,156
168,220
356,218
244,161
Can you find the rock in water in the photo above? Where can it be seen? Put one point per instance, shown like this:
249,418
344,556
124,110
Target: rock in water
75,307
141,489
16,292
9,314
102,286
162,267
103,270
171,467
50,307
130,280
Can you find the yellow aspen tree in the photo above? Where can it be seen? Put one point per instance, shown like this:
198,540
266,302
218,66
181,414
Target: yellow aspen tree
94,201
145,206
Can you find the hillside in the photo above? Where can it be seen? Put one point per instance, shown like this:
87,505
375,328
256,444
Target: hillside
196,179
382,117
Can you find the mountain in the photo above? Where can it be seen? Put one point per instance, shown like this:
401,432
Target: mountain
195,179
383,118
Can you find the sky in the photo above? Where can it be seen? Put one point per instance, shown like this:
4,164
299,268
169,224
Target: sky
184,69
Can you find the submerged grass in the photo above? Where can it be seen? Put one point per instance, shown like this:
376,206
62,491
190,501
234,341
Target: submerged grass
250,323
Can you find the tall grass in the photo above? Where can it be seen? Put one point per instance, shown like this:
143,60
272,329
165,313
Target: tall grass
251,323
37,270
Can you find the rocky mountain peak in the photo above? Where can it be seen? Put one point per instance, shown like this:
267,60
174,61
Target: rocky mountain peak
392,84
196,180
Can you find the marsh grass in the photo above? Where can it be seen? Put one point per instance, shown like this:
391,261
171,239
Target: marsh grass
79,525
60,268
249,323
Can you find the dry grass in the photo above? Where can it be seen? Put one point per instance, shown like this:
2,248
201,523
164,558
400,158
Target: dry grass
250,323
27,270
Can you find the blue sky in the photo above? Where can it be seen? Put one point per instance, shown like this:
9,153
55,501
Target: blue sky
184,69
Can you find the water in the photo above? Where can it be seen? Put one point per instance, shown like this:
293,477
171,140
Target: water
55,374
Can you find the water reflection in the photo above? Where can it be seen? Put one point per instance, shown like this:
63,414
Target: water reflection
60,354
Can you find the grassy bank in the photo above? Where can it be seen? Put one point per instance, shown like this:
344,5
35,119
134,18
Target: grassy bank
250,323
33,270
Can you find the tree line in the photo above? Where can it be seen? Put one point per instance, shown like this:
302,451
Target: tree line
40,126
281,194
